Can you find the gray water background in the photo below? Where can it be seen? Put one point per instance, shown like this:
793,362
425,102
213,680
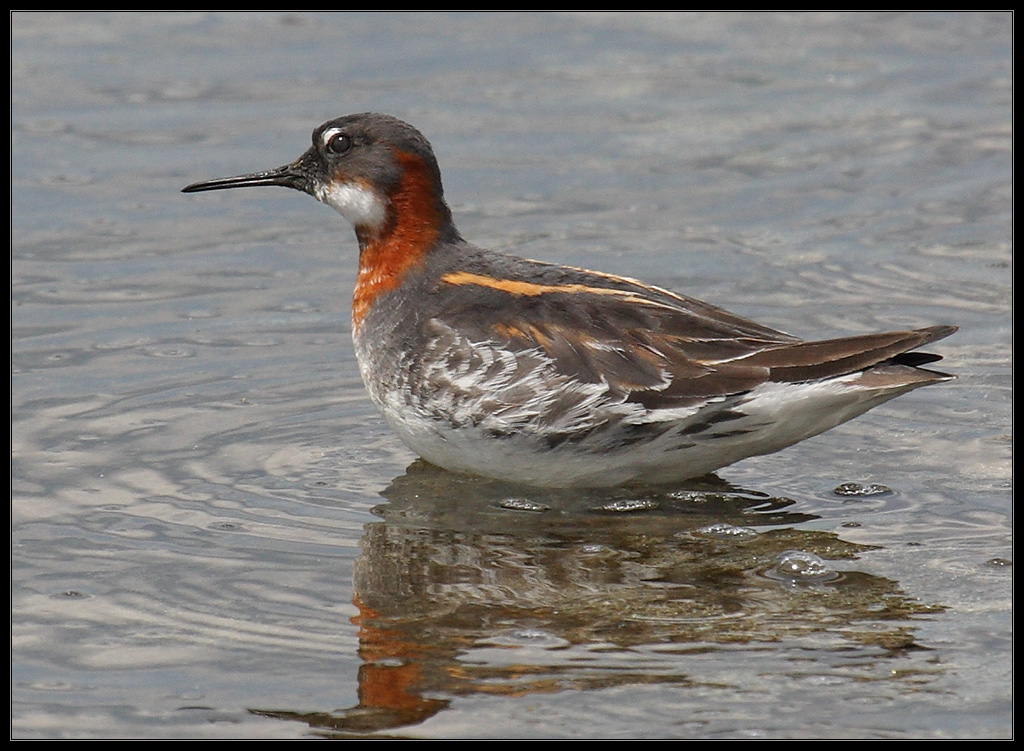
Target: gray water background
213,533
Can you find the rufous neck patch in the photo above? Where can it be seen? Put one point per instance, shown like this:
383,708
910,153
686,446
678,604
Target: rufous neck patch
412,227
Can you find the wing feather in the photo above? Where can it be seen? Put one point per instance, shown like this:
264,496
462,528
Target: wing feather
650,346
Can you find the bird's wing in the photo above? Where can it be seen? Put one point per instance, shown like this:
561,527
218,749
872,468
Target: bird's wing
651,346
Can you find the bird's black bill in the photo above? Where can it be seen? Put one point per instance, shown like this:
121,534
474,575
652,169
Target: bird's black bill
287,177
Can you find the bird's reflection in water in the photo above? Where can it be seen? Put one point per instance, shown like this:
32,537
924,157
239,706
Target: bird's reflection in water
467,586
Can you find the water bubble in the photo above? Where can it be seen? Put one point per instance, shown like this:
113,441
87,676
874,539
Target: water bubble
727,531
799,567
857,489
626,506
689,496
522,504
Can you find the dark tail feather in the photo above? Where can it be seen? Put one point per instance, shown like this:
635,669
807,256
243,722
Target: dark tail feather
809,361
915,359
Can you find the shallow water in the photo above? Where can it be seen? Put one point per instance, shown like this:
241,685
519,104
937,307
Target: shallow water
213,533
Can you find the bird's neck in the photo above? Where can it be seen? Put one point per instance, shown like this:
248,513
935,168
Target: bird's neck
418,220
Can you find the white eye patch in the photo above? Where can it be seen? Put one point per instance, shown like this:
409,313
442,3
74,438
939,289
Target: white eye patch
327,135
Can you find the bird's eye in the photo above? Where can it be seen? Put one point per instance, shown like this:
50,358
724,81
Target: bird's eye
338,143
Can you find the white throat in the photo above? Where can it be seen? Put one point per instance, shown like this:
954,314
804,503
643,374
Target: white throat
357,203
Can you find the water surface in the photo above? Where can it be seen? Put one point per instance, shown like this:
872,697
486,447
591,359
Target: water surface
214,534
